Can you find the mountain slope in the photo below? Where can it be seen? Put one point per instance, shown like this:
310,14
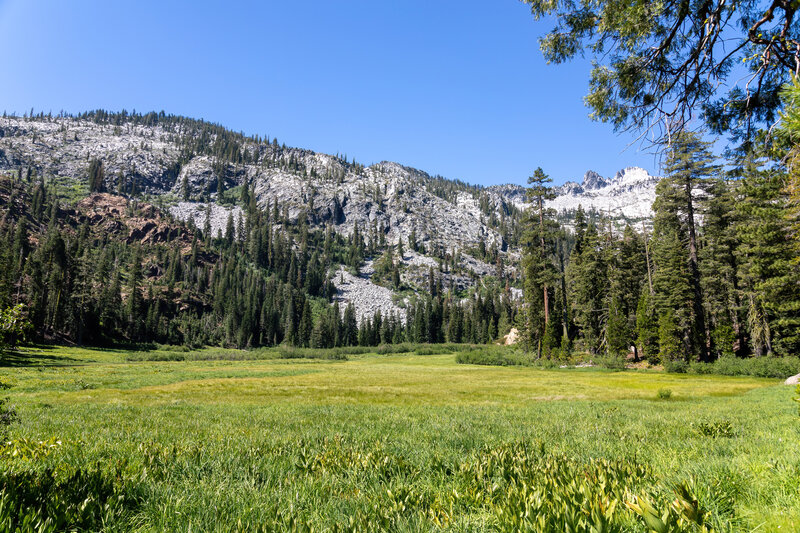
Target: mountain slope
200,171
159,159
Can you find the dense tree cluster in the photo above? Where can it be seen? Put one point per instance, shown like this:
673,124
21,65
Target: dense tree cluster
263,281
718,276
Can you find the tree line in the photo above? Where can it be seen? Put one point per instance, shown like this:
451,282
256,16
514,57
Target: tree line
262,281
717,275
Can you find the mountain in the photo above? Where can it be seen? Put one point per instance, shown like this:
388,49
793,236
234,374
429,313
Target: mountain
160,157
200,173
627,197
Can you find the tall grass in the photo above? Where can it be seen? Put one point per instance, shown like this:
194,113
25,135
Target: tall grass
400,443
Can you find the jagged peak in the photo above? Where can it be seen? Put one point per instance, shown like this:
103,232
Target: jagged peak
592,180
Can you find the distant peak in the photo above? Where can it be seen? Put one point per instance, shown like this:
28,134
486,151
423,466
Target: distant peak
592,180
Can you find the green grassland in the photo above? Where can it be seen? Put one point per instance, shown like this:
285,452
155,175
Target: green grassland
397,442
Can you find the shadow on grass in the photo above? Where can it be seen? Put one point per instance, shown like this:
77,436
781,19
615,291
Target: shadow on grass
17,358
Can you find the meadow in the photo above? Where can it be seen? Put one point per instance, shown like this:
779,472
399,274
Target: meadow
119,440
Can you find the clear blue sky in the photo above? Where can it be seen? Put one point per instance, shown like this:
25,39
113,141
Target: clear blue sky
453,88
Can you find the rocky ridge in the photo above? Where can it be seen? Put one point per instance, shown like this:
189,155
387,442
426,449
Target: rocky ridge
170,164
628,196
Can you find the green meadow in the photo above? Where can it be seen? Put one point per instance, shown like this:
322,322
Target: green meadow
112,440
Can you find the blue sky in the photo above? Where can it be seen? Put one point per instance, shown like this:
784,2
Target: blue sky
453,88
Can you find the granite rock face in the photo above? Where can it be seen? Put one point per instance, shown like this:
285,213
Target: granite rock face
169,164
328,190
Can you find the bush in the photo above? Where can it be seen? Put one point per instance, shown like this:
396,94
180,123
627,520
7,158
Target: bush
434,349
715,430
14,326
338,354
664,394
762,367
676,366
701,368
386,349
222,354
611,362
545,364
8,415
494,355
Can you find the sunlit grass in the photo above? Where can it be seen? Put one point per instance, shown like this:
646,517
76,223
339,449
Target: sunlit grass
238,430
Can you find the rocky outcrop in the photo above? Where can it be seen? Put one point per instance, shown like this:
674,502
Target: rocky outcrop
142,223
366,296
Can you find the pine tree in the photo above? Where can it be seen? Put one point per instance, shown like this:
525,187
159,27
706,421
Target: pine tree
588,289
769,273
673,293
688,163
719,270
185,188
539,271
647,328
306,325
96,176
349,326
626,265
134,304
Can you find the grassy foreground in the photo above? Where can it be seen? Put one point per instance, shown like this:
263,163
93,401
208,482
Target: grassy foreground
395,442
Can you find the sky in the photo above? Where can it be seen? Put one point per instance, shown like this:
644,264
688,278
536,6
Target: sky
458,89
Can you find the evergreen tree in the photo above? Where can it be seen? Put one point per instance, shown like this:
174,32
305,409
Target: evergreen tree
647,328
96,176
134,304
306,325
588,286
688,165
539,271
673,293
769,273
349,326
719,270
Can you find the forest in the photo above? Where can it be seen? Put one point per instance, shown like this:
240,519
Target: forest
265,281
716,276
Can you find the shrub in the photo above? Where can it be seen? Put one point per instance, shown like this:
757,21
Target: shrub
714,430
701,368
611,362
676,366
762,367
14,326
386,349
664,394
545,364
494,355
434,349
8,415
278,352
339,354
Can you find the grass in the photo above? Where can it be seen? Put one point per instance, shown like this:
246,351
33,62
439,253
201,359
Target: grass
401,442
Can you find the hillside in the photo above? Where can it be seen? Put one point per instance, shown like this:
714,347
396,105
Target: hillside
205,176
